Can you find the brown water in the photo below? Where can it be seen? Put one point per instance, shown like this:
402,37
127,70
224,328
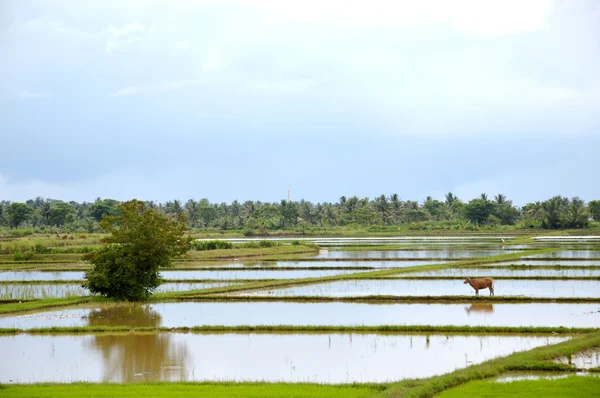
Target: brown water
321,358
182,314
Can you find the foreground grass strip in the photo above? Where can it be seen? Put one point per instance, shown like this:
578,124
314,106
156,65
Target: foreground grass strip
573,386
192,390
540,358
41,304
449,329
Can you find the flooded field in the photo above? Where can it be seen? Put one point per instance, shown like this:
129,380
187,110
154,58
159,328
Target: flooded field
320,358
583,360
413,254
180,275
506,271
563,263
61,290
181,314
461,240
407,287
371,264
575,254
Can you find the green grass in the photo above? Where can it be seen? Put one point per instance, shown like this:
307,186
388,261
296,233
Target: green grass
573,386
42,304
192,390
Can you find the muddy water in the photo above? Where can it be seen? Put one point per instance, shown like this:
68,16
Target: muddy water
331,313
321,358
180,275
505,271
415,254
406,287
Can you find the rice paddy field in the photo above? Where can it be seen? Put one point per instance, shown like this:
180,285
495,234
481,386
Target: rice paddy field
387,316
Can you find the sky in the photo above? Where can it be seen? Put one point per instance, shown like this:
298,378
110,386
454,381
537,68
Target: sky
242,100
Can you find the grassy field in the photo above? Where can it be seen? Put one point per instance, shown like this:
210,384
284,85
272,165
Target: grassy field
192,390
573,386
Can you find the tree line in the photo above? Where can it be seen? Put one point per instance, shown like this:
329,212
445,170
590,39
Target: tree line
385,211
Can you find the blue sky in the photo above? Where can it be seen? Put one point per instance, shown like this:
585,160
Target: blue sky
243,99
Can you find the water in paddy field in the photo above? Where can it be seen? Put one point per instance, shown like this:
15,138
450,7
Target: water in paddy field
563,263
371,264
320,358
179,275
408,287
180,314
506,271
575,254
22,291
583,360
462,240
413,254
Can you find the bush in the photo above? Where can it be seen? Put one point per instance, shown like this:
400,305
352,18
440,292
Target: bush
23,256
260,244
210,245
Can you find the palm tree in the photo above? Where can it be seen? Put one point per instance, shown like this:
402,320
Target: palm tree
382,206
483,196
500,199
450,199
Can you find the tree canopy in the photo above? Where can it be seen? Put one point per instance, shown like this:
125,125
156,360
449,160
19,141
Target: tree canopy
141,241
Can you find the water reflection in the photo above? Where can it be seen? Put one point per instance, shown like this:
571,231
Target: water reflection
137,357
318,358
480,308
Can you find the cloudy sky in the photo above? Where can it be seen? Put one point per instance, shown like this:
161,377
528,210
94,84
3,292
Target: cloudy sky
242,99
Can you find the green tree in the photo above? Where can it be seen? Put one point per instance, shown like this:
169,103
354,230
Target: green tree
575,215
594,208
478,210
101,207
17,213
141,242
61,213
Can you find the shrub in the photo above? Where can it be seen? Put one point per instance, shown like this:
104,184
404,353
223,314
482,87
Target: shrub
210,245
23,256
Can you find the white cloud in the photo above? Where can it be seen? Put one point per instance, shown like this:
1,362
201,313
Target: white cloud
212,63
472,17
117,37
156,87
30,94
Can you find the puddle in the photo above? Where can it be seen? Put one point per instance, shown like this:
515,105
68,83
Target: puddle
583,360
318,358
179,314
414,254
408,287
41,291
180,275
505,271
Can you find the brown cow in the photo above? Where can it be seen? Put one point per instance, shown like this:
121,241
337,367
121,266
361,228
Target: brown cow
481,283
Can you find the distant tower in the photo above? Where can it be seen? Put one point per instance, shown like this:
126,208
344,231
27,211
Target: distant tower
289,195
